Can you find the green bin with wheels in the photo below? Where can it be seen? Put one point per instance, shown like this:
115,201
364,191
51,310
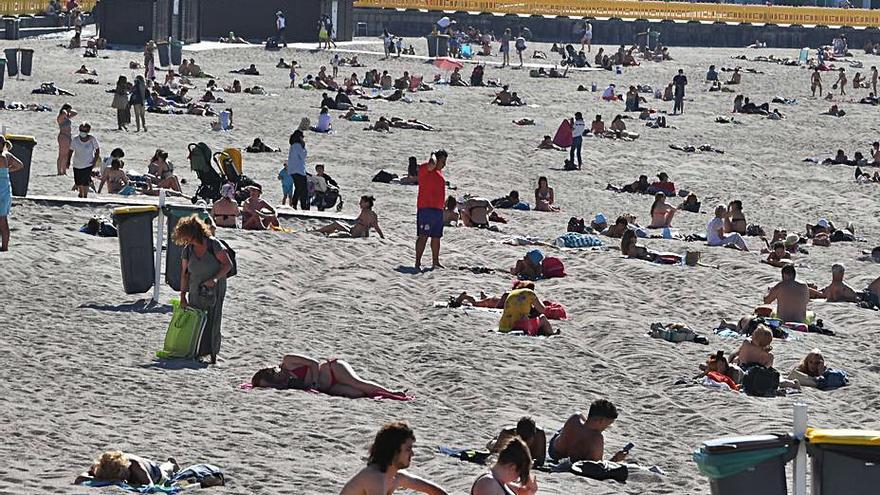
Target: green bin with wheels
750,465
164,51
135,225
23,149
2,71
174,253
176,52
844,462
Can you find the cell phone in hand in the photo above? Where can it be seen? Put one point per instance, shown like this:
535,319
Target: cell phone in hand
628,447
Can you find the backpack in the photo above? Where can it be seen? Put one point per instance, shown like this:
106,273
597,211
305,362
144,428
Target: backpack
569,165
384,177
601,470
760,381
231,252
832,379
552,267
576,224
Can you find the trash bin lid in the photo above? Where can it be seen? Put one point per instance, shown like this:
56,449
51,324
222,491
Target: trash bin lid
843,436
132,210
17,137
739,444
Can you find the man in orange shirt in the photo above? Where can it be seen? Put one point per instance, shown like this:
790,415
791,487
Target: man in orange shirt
430,204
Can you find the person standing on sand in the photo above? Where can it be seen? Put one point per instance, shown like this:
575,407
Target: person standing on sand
679,81
296,168
430,204
505,48
841,81
64,137
150,60
390,454
8,164
280,26
84,154
137,100
120,103
816,82
588,37
577,138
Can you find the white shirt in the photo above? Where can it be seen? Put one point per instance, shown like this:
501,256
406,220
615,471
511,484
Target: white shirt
320,184
577,130
324,121
280,23
713,229
83,152
105,165
588,30
608,93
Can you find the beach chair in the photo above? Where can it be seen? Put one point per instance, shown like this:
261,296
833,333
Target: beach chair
210,180
415,82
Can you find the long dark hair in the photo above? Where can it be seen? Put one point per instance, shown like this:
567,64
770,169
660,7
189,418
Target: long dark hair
516,453
298,137
628,238
657,198
388,442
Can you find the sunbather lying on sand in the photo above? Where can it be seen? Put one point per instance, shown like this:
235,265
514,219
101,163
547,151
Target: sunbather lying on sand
547,144
526,429
640,186
718,369
118,467
332,377
629,247
366,219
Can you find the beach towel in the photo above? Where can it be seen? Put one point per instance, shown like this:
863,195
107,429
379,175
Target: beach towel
208,474
468,455
132,489
578,240
563,137
400,397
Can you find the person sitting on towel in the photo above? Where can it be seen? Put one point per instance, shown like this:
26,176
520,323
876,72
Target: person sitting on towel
580,438
526,430
332,377
519,306
116,466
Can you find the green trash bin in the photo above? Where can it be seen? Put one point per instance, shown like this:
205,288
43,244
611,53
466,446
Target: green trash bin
164,52
135,225
844,462
23,149
751,465
176,52
173,253
2,71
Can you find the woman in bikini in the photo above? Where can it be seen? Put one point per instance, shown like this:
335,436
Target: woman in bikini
511,473
544,197
661,213
736,220
64,137
361,228
630,248
332,377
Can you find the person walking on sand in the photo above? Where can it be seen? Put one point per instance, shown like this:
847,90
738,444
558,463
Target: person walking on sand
120,103
841,81
84,154
8,164
296,168
430,204
389,457
816,82
137,100
679,81
578,127
64,137
588,37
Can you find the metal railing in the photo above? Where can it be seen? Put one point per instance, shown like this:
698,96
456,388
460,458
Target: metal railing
652,10
21,7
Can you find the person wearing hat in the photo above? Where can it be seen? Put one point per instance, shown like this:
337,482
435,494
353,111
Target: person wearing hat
663,185
224,211
429,207
600,223
280,26
257,214
529,267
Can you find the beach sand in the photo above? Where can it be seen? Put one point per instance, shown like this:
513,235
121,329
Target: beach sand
79,375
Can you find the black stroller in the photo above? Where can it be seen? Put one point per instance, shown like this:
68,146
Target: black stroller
211,181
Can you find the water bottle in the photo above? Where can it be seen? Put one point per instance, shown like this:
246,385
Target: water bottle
593,87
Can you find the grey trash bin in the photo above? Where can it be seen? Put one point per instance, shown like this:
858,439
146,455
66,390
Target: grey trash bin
11,25
164,51
438,45
842,469
11,61
135,225
27,61
23,149
176,52
173,253
753,465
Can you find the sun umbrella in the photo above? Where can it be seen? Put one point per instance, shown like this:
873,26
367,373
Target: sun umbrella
447,64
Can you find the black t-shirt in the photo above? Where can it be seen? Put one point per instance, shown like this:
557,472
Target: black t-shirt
679,81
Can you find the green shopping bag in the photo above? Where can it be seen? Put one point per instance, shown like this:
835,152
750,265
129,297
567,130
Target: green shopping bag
184,333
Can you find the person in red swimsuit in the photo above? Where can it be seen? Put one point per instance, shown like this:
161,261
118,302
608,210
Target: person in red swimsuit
332,377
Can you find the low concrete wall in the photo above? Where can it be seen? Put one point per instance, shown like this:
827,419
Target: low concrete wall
412,23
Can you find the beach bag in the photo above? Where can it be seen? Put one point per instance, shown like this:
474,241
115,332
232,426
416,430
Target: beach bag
569,165
231,253
184,333
554,311
576,224
759,381
601,470
552,267
384,177
832,379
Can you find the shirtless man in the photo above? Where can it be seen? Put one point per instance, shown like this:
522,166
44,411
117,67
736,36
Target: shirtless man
839,291
390,454
503,97
581,437
534,438
816,82
257,214
791,296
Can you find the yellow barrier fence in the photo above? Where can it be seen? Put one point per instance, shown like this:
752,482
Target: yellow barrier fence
21,7
634,9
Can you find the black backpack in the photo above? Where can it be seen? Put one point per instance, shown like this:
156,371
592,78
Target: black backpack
384,177
760,381
569,165
231,252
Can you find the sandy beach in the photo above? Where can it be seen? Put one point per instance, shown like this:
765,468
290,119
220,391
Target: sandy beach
79,374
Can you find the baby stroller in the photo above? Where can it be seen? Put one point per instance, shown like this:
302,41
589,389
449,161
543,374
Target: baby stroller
229,161
323,200
211,181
